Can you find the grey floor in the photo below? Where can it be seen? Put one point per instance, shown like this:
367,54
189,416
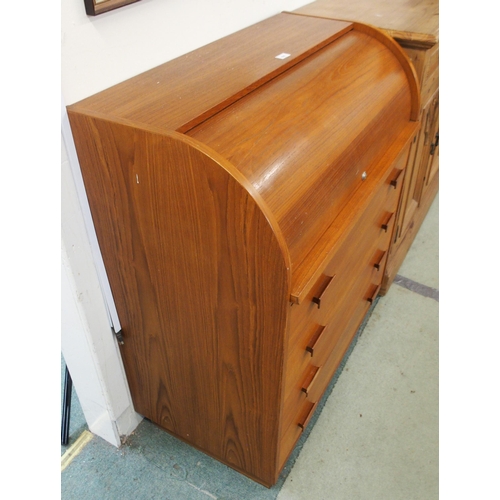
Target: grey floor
375,438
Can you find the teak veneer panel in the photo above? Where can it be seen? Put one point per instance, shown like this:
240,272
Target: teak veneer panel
203,337
223,186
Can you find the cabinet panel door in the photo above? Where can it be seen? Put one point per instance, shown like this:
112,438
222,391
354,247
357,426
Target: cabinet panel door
408,203
428,142
433,163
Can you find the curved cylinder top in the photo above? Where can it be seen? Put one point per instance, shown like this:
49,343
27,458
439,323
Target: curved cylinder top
304,139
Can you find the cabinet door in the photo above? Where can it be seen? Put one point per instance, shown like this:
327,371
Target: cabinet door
408,202
428,143
433,163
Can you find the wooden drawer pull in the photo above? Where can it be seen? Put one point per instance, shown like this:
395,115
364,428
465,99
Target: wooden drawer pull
379,263
317,298
310,378
386,224
397,179
315,339
306,414
373,295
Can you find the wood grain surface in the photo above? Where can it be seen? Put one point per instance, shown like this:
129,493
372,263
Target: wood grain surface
353,94
201,289
413,21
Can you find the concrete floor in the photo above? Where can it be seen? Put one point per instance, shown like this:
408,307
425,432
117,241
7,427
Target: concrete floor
376,437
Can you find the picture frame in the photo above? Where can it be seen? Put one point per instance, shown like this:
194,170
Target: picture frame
95,7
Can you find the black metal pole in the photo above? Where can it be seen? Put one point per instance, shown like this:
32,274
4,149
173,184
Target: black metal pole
66,409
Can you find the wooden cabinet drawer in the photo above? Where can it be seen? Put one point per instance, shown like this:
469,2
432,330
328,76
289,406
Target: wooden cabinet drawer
353,310
316,323
322,326
359,309
372,226
372,232
308,356
291,435
320,368
320,333
370,229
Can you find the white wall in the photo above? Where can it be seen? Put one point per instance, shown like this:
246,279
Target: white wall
98,52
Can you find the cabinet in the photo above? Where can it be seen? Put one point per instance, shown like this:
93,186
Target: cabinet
244,197
414,24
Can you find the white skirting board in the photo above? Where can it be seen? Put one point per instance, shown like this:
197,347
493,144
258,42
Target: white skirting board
89,347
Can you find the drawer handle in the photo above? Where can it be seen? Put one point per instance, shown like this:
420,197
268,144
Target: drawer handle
385,225
379,263
435,144
315,339
374,294
394,183
307,413
317,298
311,376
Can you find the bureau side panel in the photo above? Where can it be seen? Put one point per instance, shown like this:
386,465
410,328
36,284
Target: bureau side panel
201,288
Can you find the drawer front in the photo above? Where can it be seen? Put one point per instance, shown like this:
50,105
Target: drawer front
309,356
359,309
303,403
372,232
317,325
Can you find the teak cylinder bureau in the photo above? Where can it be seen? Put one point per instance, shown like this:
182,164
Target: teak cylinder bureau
244,197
